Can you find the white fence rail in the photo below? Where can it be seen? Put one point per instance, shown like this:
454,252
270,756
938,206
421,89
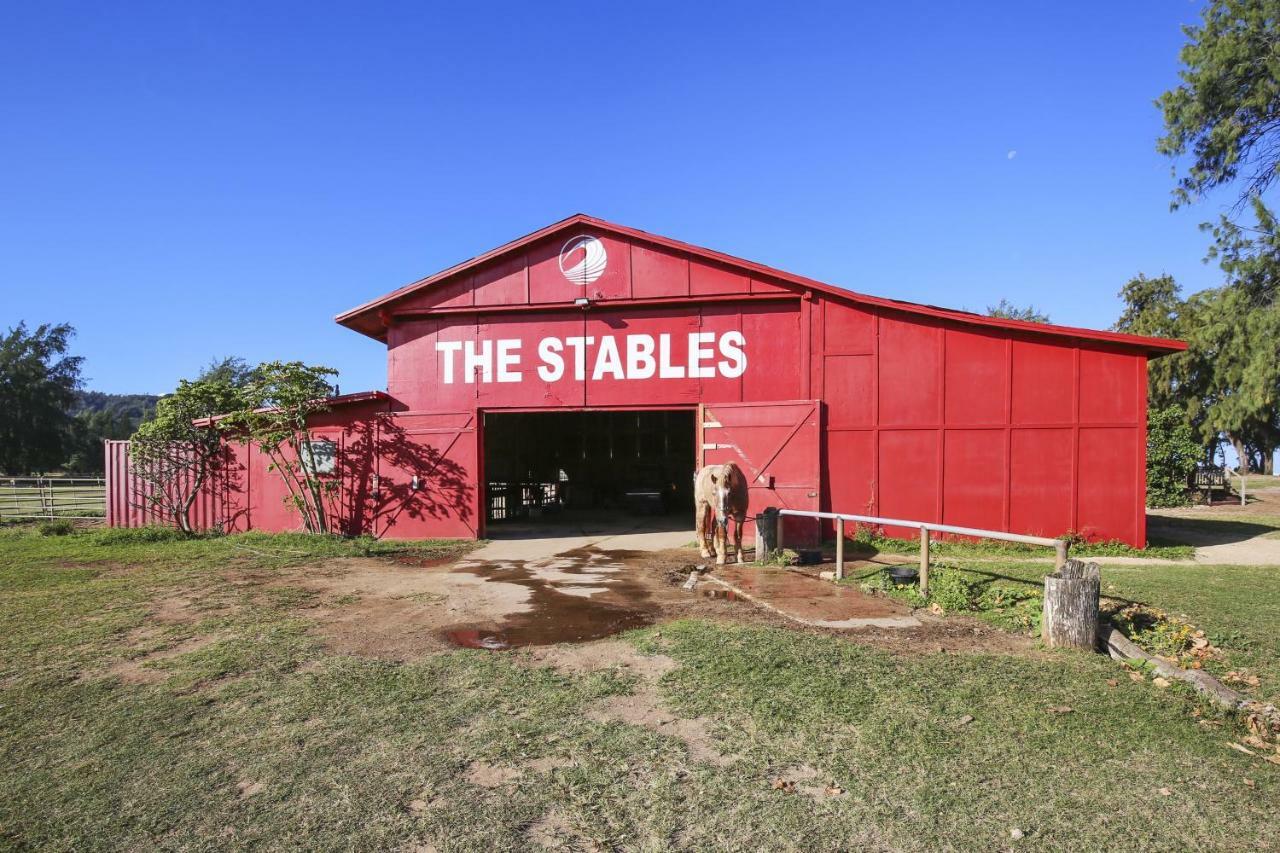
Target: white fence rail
53,497
1060,546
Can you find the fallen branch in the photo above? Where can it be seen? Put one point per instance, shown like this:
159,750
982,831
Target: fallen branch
1121,648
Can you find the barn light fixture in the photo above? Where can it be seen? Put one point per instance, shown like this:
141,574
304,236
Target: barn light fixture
413,484
582,301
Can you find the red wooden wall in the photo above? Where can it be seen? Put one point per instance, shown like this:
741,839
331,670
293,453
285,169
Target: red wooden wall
931,421
921,414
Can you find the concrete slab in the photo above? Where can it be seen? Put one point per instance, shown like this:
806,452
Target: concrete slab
811,601
551,540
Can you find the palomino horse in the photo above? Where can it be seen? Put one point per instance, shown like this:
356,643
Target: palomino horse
720,493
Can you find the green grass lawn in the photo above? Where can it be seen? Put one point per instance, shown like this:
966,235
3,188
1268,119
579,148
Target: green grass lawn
261,738
1238,607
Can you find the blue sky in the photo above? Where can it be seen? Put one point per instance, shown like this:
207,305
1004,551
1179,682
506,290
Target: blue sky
182,181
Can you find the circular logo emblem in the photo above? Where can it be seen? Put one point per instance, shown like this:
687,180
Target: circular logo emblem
583,259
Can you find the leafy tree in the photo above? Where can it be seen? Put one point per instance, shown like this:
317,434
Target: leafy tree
85,435
231,369
38,383
177,451
1006,310
281,398
1172,454
1226,112
1154,307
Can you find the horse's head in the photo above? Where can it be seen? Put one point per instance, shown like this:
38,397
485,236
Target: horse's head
720,482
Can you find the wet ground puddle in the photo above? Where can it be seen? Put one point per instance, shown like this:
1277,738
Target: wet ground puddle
575,597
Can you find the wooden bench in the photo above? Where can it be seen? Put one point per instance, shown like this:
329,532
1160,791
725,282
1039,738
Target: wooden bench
1207,480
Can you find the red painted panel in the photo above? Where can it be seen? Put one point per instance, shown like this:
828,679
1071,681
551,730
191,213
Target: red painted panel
849,389
847,329
412,375
503,282
908,481
1108,387
719,319
1043,383
528,359
451,293
1109,497
709,280
973,478
910,380
603,268
772,332
977,376
446,366
765,286
1040,481
651,347
441,450
656,273
850,472
777,446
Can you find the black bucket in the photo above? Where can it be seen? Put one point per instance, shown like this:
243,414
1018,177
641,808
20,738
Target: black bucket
766,533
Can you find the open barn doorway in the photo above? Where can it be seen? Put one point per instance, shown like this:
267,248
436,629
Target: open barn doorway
588,471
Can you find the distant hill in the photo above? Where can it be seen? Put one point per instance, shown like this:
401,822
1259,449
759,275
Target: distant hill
131,406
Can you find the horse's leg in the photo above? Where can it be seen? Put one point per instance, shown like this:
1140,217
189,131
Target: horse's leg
737,537
700,525
722,544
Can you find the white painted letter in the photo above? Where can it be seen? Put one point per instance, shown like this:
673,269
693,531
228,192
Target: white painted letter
483,360
447,349
640,363
667,370
508,359
698,353
608,360
733,346
552,367
580,345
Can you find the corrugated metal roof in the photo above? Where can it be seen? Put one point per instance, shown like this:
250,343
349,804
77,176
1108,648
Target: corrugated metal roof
366,320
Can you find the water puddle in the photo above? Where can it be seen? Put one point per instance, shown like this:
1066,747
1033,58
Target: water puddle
575,597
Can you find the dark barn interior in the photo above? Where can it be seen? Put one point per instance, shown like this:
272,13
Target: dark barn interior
553,465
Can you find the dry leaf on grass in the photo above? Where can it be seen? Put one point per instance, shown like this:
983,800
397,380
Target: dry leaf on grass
1060,709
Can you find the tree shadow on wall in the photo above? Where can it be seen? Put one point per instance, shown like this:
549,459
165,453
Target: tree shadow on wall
377,468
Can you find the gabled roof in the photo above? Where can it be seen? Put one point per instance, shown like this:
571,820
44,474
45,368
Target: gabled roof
367,318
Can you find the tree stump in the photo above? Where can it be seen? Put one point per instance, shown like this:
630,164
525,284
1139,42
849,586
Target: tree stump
1070,616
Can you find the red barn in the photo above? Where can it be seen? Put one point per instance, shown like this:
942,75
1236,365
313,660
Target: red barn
590,364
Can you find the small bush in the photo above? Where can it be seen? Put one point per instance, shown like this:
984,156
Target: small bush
952,590
58,527
138,535
1172,454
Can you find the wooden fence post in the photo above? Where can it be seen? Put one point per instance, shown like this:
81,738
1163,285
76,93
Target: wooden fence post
839,549
1070,615
924,561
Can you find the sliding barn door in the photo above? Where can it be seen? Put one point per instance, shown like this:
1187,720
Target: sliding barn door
776,444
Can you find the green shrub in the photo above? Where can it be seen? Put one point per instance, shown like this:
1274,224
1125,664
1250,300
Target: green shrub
1172,454
137,535
57,527
952,590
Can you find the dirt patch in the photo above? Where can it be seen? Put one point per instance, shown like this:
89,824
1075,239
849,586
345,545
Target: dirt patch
646,709
803,779
554,831
605,654
490,775
396,610
393,610
139,670
547,764
248,788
